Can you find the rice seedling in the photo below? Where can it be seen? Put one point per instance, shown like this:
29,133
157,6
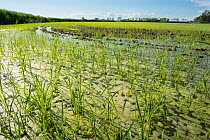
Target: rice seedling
104,81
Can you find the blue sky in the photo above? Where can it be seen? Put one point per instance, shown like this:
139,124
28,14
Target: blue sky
182,9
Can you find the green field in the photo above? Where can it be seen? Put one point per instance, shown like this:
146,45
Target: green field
141,25
105,80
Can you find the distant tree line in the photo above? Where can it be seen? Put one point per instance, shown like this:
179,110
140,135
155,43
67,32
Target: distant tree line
12,17
203,18
164,20
142,19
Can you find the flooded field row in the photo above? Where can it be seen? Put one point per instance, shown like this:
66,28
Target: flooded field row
199,49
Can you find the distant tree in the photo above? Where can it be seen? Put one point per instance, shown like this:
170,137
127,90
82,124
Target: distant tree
83,18
119,18
164,19
204,17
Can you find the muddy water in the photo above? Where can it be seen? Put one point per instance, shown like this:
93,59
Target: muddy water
200,28
188,121
182,120
202,55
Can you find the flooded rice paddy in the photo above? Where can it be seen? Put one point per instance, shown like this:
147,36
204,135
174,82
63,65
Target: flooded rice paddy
86,83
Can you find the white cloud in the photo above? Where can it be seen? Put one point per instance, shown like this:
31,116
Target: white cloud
85,14
201,3
114,15
92,15
111,15
136,15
